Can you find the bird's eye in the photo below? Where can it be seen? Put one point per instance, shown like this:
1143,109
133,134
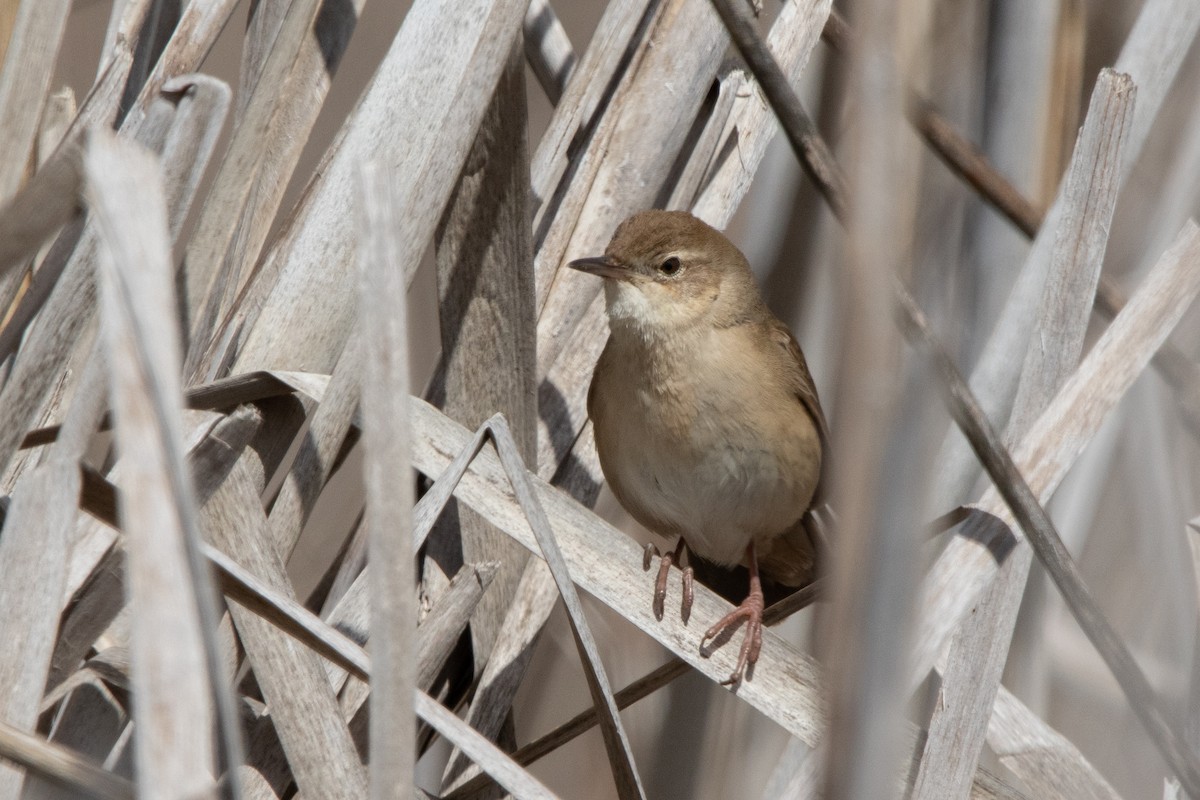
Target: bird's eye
670,266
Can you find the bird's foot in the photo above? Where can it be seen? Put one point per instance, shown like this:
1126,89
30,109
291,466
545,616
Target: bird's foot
751,610
664,571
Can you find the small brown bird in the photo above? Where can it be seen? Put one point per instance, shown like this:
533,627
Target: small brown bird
706,418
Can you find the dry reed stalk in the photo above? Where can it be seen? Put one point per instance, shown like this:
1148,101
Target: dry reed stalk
173,623
233,197
35,556
879,501
483,249
464,46
62,766
1151,59
978,652
296,621
312,731
287,303
548,49
310,77
389,509
25,83
785,683
1049,547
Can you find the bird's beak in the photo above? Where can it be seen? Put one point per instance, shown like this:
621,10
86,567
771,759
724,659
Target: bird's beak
602,266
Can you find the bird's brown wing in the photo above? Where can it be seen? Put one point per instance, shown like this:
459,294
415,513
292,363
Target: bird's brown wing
802,382
792,559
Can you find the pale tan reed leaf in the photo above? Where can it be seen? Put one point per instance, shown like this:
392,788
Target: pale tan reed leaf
967,566
625,166
60,110
1045,760
493,760
750,125
535,597
41,207
1191,724
628,783
94,593
194,36
979,649
620,754
387,474
210,461
34,553
304,88
239,170
548,49
438,496
201,104
224,393
254,785
302,624
1087,202
268,602
878,480
58,308
437,633
1151,55
731,87
33,557
483,249
583,102
188,124
989,786
24,82
99,108
124,22
304,711
88,613
91,721
102,103
173,656
62,766
445,60
1193,539
8,15
452,609
314,464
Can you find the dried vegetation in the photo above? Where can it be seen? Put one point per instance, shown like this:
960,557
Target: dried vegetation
230,415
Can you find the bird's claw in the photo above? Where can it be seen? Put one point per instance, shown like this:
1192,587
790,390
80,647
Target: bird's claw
750,610
664,572
649,553
689,594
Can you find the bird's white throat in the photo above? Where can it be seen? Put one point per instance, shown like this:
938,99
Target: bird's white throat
651,317
626,303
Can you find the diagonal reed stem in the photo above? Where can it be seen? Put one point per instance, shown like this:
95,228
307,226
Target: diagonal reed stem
969,416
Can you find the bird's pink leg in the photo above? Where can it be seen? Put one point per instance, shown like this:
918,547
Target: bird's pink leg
664,570
750,610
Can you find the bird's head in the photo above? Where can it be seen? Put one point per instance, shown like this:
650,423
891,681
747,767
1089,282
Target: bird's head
666,271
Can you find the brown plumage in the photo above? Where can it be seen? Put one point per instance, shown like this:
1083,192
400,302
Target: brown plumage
707,421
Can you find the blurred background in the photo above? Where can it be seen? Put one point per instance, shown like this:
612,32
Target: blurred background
1014,76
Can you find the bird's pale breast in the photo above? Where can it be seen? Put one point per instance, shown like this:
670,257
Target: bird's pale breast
703,441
